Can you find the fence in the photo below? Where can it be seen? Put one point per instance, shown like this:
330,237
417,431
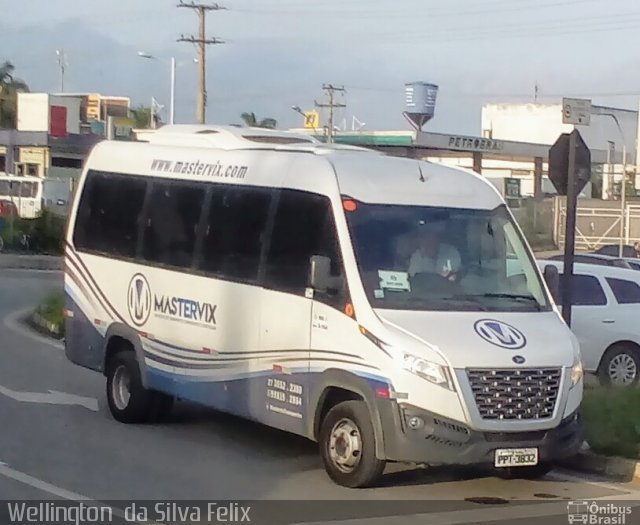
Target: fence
598,223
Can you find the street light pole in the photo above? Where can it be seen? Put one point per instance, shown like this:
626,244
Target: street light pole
172,107
623,189
172,103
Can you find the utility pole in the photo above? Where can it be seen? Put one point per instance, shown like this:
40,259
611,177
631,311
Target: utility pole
202,41
331,93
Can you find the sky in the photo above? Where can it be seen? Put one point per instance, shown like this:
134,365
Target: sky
278,54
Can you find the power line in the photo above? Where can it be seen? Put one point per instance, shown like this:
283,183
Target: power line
497,7
331,91
202,42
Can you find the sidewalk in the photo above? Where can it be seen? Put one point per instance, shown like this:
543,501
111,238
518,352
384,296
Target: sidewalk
31,262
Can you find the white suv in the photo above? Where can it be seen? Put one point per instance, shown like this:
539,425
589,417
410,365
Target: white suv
606,320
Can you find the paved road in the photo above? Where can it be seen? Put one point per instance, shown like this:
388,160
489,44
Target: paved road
51,450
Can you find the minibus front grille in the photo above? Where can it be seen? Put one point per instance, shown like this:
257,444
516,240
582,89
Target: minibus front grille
515,394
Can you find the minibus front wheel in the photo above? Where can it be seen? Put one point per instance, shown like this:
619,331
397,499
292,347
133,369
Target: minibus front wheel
347,445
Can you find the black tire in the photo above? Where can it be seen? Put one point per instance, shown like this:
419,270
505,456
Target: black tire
534,472
162,405
139,407
366,468
620,353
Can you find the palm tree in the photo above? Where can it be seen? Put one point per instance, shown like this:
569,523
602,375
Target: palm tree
142,117
251,120
9,89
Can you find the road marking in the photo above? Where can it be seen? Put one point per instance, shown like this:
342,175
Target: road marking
493,514
44,486
632,492
51,398
13,324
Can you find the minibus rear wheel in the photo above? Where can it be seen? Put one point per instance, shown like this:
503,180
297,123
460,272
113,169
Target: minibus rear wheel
129,401
347,445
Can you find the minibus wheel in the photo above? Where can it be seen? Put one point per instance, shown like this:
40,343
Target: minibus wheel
533,472
162,405
129,401
347,445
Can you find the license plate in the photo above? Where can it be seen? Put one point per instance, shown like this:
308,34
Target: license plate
516,457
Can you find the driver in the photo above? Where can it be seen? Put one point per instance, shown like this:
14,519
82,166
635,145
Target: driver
432,255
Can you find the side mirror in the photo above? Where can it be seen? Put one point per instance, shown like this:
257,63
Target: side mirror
320,275
552,278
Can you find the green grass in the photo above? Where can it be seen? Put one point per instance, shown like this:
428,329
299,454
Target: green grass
612,420
52,309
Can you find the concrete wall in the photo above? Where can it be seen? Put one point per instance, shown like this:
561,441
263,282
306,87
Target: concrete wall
73,111
33,112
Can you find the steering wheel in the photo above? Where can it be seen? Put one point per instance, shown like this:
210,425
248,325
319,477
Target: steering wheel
433,281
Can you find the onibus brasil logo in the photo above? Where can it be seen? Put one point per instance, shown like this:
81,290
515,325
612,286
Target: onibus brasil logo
597,513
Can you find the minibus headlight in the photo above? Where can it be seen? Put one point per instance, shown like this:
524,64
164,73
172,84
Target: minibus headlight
577,372
432,372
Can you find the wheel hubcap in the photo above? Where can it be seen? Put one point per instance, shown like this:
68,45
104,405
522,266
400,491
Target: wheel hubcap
345,445
121,388
622,369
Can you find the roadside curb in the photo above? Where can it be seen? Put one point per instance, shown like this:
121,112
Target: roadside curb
45,327
627,469
31,262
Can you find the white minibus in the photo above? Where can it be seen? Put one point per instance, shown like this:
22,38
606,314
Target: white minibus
24,192
387,308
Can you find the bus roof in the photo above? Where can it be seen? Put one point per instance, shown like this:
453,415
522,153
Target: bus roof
266,156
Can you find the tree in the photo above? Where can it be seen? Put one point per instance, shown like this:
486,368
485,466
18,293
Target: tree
252,121
142,117
9,89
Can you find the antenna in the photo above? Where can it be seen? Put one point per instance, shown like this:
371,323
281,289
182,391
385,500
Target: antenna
361,124
62,64
421,178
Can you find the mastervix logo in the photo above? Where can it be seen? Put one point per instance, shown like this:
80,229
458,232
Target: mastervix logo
139,299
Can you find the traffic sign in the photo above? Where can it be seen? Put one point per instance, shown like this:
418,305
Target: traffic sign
311,119
569,170
512,188
559,163
576,111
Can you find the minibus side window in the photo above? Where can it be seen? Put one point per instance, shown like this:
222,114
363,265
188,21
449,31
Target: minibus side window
234,232
171,223
304,226
108,214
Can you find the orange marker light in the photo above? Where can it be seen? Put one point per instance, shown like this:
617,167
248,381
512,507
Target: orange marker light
348,310
349,205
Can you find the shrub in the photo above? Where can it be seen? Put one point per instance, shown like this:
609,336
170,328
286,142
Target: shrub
612,420
52,308
45,233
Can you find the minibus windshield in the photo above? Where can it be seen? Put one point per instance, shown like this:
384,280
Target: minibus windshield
430,258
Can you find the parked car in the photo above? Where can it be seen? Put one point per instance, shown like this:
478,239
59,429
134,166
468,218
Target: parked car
613,250
596,258
605,314
634,262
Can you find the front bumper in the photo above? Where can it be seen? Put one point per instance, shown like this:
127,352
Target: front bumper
445,442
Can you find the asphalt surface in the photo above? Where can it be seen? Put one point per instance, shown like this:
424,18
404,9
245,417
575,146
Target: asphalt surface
52,449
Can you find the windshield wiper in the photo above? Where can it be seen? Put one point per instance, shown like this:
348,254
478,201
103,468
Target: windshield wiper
514,296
